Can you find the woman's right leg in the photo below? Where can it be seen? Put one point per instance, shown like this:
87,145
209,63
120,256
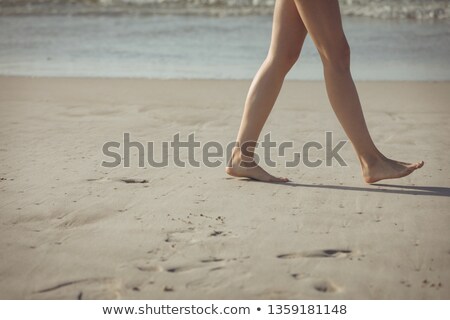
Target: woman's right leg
288,35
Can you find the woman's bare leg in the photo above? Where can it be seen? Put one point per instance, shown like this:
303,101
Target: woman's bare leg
322,19
288,35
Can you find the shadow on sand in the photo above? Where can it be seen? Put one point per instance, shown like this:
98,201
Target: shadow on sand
384,188
378,187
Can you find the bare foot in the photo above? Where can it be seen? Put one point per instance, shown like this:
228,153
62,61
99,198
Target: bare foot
242,169
385,168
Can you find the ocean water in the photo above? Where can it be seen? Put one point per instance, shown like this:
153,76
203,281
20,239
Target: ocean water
209,47
385,9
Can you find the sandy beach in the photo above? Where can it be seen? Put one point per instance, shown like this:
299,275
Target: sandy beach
72,229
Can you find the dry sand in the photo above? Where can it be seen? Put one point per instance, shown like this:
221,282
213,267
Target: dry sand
73,229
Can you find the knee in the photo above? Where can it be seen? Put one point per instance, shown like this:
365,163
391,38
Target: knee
336,55
283,60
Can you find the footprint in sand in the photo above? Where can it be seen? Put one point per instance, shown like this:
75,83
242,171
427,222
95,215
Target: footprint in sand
193,267
125,180
325,286
94,288
181,269
182,235
144,265
327,253
216,233
149,268
299,276
209,260
104,179
133,180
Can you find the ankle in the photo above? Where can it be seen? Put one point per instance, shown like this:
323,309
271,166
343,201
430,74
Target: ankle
238,159
370,160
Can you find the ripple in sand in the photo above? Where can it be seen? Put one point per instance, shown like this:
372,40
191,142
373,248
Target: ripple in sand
327,253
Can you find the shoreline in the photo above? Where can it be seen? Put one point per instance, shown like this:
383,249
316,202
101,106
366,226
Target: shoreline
79,78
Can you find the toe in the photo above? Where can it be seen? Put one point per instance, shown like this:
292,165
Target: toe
416,165
412,166
274,179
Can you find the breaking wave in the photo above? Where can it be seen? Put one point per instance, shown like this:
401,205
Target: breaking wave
384,9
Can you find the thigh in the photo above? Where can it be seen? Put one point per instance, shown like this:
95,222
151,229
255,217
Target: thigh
322,19
288,32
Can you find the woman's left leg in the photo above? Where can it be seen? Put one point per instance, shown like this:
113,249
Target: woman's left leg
322,19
